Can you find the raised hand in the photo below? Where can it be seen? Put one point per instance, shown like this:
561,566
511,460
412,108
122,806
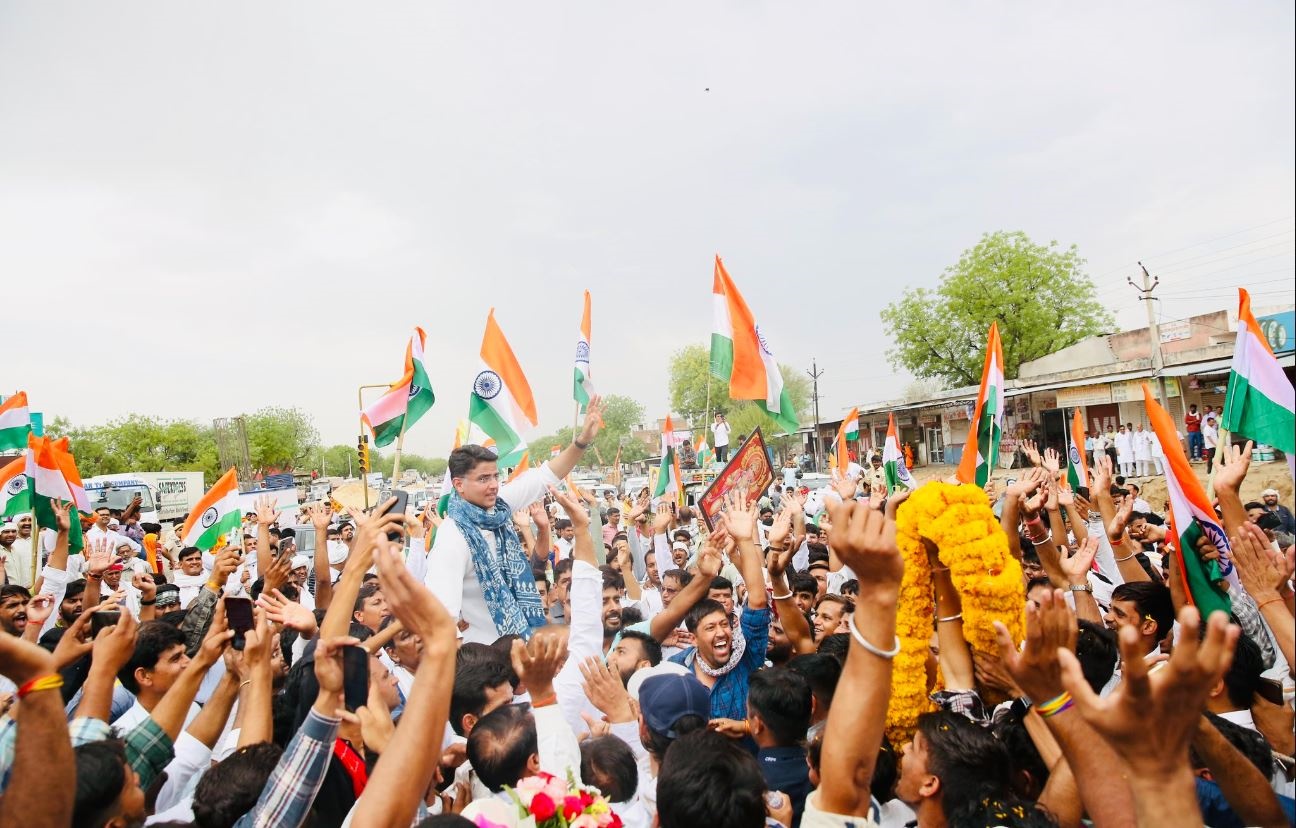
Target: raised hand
1031,451
1164,706
709,560
1052,462
73,644
1050,628
575,511
1261,570
144,582
114,645
371,532
62,514
1232,463
278,572
319,518
538,661
217,639
266,512
328,665
39,609
375,721
740,516
844,486
1076,565
605,691
288,613
780,529
593,420
663,519
227,560
410,601
1116,530
430,514
536,511
1065,498
99,556
641,506
257,641
1102,473
865,540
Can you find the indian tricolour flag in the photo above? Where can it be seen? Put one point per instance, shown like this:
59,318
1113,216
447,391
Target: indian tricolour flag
1260,403
705,456
741,355
981,451
501,404
15,422
1191,517
408,399
15,495
45,480
893,463
846,434
668,476
1077,463
216,514
582,385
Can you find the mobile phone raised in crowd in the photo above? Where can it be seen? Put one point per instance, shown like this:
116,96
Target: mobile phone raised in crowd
401,501
102,620
238,614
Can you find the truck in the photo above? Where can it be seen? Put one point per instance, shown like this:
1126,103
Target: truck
164,496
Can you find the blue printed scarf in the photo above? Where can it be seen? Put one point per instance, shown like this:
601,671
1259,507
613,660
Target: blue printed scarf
505,576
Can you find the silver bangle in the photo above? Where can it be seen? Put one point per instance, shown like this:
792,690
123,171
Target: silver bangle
958,617
863,642
1042,542
1126,558
781,597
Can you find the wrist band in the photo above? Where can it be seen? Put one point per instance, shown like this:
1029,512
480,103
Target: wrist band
578,444
958,617
548,700
144,603
1054,705
789,595
215,587
1126,558
1264,604
51,682
863,642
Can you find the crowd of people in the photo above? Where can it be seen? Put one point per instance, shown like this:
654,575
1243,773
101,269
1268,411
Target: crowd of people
425,669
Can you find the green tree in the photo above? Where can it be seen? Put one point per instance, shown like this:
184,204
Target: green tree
690,377
1040,295
281,439
139,443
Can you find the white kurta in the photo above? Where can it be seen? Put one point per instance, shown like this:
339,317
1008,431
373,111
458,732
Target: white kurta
1124,447
1143,445
450,573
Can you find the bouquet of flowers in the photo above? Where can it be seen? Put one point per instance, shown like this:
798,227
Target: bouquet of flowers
544,801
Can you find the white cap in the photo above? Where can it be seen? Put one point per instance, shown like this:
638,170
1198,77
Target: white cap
666,668
337,552
9,526
1269,493
681,545
300,561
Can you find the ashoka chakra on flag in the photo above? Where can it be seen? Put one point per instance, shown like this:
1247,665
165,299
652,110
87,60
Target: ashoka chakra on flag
16,484
487,385
209,517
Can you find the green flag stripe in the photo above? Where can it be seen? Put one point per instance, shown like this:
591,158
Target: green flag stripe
488,420
1251,414
721,357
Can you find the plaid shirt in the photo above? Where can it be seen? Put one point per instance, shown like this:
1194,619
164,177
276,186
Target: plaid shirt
148,748
729,694
288,794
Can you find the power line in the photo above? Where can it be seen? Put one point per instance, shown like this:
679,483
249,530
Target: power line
1224,250
1195,244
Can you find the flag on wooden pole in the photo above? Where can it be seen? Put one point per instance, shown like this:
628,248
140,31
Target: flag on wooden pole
668,476
741,355
15,422
981,451
893,463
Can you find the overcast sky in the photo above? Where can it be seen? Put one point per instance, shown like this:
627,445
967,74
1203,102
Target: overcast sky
209,208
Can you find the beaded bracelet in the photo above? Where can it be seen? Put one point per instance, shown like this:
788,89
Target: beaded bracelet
51,682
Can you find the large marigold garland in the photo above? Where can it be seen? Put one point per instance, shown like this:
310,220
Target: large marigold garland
959,520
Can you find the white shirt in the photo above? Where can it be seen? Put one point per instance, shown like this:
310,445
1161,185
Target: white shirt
1210,435
1124,443
190,585
720,432
115,539
1143,445
136,714
452,578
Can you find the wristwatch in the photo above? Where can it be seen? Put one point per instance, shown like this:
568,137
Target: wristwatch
1080,588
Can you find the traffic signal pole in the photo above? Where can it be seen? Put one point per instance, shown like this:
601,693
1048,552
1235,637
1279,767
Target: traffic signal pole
362,443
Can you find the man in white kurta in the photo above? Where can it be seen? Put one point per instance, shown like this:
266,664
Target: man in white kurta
450,573
1125,451
1142,450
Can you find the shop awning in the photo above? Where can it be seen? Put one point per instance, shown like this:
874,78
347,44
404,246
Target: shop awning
1076,383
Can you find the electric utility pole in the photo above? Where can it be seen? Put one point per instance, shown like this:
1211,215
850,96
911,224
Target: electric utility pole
1154,333
815,374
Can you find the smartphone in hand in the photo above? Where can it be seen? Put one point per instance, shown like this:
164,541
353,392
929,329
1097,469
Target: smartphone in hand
238,614
398,507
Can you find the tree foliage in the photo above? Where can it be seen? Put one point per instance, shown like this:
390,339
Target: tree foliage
690,378
280,439
1039,294
620,415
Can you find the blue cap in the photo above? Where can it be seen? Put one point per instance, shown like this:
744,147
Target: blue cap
665,699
